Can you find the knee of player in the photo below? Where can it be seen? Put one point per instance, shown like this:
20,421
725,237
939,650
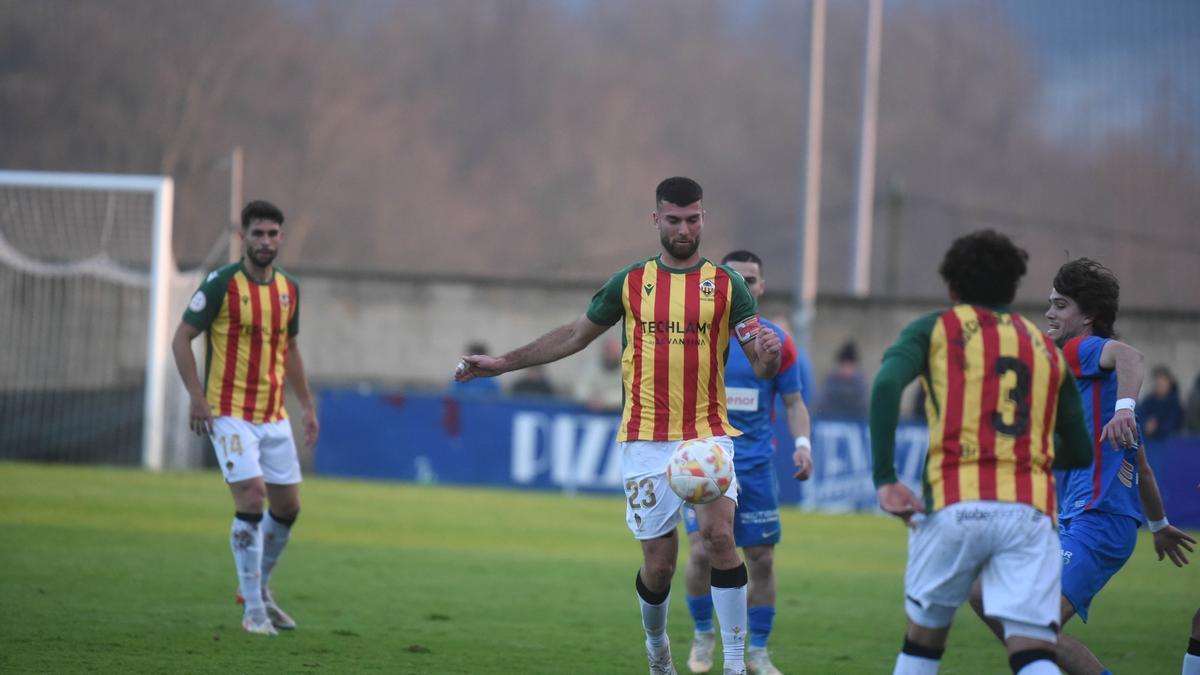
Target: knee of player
659,573
760,556
718,538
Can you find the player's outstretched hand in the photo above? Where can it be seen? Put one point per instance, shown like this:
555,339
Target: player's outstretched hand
201,417
1170,542
898,500
478,365
1121,430
802,458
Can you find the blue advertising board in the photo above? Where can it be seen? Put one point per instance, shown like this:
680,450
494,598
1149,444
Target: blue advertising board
555,445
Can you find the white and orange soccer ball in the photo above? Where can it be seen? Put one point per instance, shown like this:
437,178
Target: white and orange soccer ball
700,471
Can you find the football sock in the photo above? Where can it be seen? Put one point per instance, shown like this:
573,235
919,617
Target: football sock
1033,662
654,613
917,660
761,620
1191,660
729,598
275,533
246,542
701,608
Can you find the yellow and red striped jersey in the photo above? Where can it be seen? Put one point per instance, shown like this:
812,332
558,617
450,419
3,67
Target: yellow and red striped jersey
677,327
248,325
991,399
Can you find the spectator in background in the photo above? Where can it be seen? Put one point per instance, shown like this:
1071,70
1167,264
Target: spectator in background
482,386
1160,411
600,386
533,383
1191,413
845,390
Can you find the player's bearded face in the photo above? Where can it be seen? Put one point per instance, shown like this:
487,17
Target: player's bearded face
680,246
679,228
261,240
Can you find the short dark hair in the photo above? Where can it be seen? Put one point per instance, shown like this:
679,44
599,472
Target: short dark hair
261,210
741,255
848,352
984,268
1095,289
679,191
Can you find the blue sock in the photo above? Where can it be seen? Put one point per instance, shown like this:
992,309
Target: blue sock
701,607
761,619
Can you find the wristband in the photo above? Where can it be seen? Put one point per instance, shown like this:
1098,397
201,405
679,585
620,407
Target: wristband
803,442
1125,404
1156,525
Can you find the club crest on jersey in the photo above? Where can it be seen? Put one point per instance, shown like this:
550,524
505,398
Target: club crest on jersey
245,299
283,299
707,288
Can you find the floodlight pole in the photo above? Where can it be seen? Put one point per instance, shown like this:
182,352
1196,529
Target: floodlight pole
808,236
864,201
235,203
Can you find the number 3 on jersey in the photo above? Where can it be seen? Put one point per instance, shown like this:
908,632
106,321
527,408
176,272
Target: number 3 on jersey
1012,417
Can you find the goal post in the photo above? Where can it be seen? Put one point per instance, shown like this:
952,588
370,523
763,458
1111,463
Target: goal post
83,259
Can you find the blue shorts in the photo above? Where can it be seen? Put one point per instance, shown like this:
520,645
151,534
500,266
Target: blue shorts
1094,546
756,521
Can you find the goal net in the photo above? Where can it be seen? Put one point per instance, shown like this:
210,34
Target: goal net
89,296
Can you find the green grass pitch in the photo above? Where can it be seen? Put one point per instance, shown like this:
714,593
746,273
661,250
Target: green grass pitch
109,570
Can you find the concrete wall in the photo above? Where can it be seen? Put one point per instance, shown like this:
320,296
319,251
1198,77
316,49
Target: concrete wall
401,330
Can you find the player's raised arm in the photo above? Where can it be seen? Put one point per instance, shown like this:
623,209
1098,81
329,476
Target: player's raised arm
558,343
1129,363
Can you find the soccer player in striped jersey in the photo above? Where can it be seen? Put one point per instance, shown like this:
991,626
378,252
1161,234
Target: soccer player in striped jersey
1101,507
756,525
997,392
679,314
251,312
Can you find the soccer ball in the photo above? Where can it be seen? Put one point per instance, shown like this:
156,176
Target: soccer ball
700,471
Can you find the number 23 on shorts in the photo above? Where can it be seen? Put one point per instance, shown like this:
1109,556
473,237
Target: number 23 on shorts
644,488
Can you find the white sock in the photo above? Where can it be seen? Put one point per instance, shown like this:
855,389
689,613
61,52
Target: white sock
1191,664
1042,667
730,604
246,542
275,536
654,621
907,664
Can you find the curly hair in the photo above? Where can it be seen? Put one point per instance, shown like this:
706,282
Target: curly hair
1094,288
984,268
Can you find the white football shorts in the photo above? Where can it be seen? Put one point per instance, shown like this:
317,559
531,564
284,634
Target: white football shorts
652,509
1014,550
246,450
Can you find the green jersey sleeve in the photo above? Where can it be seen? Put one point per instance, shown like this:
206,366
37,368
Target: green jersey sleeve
743,308
607,307
294,324
902,362
206,302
